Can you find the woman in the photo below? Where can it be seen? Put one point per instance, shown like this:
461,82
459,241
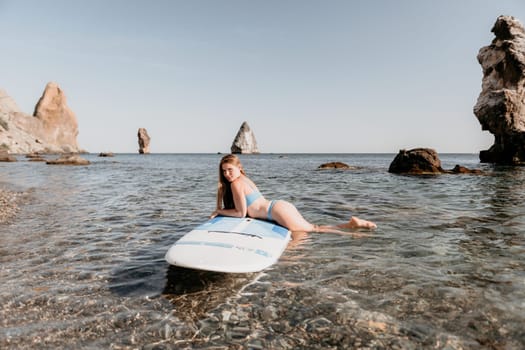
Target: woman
241,197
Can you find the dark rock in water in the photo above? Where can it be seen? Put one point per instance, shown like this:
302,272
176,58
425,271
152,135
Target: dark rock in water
416,161
5,157
458,169
35,157
106,154
424,161
69,160
144,140
500,107
244,141
334,165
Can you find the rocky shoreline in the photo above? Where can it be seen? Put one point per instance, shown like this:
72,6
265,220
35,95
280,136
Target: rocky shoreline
8,205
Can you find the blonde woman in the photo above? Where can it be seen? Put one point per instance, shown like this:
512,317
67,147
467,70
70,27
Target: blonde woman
238,196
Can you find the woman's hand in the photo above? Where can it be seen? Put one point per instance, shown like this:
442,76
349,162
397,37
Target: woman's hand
214,214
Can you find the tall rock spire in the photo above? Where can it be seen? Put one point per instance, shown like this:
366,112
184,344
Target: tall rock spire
500,108
144,141
59,121
245,141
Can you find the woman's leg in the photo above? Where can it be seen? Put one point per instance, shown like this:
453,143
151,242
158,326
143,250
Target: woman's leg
287,215
355,222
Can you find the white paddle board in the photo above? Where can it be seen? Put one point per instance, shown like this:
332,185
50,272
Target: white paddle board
233,245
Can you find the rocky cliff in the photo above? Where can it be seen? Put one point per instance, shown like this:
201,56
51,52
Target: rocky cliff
500,108
53,128
244,141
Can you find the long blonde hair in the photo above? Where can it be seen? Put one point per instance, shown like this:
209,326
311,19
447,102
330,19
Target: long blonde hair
224,190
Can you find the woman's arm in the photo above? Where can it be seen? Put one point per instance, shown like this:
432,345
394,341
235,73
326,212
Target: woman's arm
239,201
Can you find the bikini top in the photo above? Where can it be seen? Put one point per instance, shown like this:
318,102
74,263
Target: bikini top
253,196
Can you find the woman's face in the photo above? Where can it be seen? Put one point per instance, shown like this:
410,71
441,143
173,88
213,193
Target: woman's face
231,172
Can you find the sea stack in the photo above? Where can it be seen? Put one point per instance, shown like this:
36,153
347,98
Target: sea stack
144,140
59,121
244,142
500,108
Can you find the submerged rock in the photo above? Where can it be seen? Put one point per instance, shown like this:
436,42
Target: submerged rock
144,140
69,160
244,141
500,107
35,157
334,165
8,205
458,169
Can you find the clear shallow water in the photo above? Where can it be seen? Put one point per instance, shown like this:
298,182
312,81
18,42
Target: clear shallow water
83,265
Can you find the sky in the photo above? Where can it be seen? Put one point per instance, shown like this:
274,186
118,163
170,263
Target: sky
323,76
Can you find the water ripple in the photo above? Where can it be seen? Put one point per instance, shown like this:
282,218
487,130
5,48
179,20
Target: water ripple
83,266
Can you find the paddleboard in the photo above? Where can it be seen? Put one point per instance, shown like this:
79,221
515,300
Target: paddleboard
232,245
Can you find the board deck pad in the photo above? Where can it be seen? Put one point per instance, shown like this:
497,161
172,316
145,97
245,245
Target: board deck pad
233,245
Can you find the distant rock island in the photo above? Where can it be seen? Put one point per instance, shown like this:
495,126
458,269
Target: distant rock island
244,141
500,108
53,127
144,141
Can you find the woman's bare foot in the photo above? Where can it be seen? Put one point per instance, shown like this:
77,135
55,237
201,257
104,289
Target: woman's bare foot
355,222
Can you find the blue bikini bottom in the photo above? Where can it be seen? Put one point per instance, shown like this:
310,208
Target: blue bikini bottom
269,215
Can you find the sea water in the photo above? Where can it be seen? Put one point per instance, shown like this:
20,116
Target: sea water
82,266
